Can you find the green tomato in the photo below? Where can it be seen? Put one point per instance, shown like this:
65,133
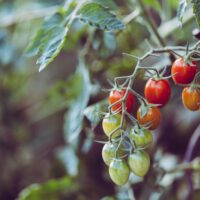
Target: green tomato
119,171
141,137
139,163
112,122
108,152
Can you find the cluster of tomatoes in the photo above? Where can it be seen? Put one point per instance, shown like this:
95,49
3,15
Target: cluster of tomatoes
125,151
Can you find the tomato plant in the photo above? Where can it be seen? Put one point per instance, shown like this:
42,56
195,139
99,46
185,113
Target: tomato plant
139,162
191,98
183,72
141,137
109,151
117,95
119,171
157,91
111,123
152,117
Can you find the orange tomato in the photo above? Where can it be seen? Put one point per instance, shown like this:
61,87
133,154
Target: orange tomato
152,117
191,98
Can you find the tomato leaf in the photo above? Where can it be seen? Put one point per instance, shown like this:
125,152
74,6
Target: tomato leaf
181,9
53,189
196,10
50,38
74,116
98,16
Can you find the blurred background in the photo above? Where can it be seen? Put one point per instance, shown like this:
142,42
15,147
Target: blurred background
36,148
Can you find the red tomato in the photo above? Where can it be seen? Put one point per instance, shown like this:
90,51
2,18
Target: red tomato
191,98
116,95
183,73
157,91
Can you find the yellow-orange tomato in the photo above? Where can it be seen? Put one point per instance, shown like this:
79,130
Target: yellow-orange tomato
191,98
152,117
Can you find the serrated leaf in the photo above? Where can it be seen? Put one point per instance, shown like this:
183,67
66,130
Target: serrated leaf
49,40
196,10
52,190
181,9
74,116
51,45
92,113
55,20
98,16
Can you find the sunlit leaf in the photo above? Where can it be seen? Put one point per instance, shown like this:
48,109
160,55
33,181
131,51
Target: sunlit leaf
106,3
98,16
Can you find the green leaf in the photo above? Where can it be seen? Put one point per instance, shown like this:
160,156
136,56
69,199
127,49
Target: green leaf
52,190
196,10
154,4
144,110
51,45
92,113
68,154
74,116
106,3
98,16
181,9
50,39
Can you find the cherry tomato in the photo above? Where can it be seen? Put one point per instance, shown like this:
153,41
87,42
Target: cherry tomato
108,152
191,98
139,162
119,171
116,95
110,123
183,72
152,117
157,91
141,137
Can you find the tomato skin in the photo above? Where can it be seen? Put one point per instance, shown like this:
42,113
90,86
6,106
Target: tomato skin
116,95
157,91
183,73
191,98
108,152
110,123
139,163
141,138
152,117
119,171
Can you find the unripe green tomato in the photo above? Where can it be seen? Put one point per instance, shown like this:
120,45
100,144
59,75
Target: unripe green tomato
141,137
119,171
108,152
112,122
139,163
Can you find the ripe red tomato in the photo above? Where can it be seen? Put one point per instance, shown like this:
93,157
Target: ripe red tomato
191,98
116,95
152,117
157,91
184,73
